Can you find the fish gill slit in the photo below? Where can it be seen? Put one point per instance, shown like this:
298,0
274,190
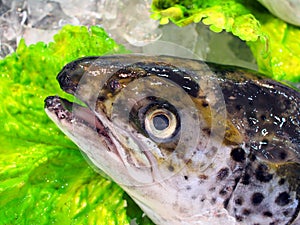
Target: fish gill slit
236,181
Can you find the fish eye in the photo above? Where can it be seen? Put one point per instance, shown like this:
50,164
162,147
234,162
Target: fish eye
161,124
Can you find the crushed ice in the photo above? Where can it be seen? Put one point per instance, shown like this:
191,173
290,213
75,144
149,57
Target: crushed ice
38,20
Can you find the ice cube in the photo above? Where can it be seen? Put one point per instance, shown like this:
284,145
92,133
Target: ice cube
3,8
45,14
131,21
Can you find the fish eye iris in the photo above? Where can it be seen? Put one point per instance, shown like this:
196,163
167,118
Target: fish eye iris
160,124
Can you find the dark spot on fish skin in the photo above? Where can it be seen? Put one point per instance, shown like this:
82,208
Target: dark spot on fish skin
261,173
223,191
171,168
286,213
238,107
264,142
257,198
239,218
101,98
283,199
188,187
186,177
263,117
222,174
213,200
267,214
282,155
203,176
206,130
205,104
239,201
238,154
281,181
194,197
246,179
246,212
212,189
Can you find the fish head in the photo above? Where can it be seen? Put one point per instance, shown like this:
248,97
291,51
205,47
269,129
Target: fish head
147,124
176,135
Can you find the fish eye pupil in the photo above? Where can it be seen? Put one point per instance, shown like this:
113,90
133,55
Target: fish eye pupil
161,122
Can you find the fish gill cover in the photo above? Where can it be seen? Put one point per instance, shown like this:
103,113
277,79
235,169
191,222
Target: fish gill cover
274,43
43,177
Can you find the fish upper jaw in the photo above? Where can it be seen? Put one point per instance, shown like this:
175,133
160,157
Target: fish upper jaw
70,76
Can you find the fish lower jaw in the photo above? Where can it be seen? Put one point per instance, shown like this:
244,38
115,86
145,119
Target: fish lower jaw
78,122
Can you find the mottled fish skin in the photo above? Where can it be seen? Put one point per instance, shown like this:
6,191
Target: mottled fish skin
249,174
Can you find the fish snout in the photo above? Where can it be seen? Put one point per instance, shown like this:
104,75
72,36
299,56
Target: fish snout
69,77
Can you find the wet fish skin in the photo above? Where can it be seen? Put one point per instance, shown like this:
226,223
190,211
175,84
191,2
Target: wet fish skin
286,10
250,176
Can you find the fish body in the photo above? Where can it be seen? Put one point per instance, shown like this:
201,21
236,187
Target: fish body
191,142
287,10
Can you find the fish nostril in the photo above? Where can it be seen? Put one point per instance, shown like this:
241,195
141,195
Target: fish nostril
61,77
64,80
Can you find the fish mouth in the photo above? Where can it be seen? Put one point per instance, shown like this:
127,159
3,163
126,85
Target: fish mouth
100,142
67,115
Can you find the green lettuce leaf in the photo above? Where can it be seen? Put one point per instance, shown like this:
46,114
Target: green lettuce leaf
274,43
44,178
